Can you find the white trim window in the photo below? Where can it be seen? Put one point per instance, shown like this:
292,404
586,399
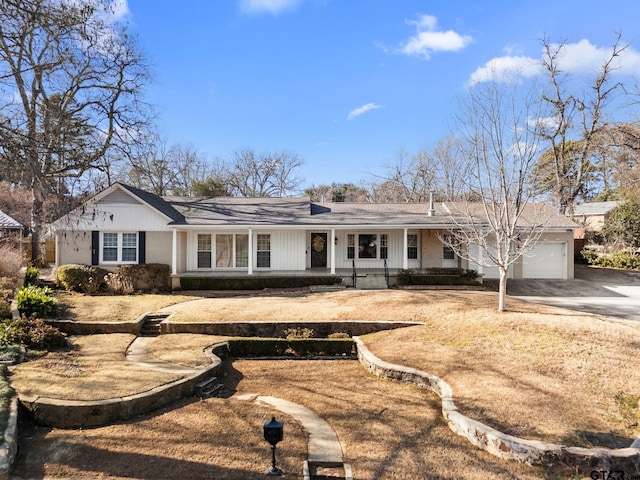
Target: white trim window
412,246
119,247
204,251
263,250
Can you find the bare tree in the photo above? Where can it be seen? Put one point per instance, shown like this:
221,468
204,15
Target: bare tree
572,124
271,174
70,80
337,192
501,150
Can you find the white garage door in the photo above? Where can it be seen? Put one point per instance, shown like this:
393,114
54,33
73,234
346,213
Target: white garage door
547,260
491,272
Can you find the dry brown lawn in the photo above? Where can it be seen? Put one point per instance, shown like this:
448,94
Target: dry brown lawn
114,308
536,372
94,369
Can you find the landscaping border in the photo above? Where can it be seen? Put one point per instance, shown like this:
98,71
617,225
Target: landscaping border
504,446
9,448
80,414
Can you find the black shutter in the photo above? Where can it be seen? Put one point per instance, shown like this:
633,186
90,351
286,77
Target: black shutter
142,247
95,247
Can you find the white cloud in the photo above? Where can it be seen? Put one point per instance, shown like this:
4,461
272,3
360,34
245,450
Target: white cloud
429,39
356,112
506,69
580,57
269,6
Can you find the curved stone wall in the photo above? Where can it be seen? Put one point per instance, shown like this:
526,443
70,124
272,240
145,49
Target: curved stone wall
79,414
495,442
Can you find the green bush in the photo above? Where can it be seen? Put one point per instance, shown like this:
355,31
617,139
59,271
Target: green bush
31,333
624,259
32,277
590,255
81,278
10,353
278,347
437,276
256,283
37,302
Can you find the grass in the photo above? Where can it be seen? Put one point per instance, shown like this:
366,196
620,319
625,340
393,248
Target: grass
95,369
536,372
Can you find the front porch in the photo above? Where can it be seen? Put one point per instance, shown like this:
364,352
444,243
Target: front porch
371,278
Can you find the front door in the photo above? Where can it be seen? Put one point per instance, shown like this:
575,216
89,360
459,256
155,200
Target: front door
318,250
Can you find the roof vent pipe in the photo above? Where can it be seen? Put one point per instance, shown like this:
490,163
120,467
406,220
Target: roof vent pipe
432,210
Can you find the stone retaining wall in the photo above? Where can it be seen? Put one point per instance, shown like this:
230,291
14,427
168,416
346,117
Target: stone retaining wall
79,414
276,329
9,447
495,442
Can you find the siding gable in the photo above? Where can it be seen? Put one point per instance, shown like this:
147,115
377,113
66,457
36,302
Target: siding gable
119,197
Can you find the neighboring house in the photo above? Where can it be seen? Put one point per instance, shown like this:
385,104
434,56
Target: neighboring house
8,225
204,236
591,216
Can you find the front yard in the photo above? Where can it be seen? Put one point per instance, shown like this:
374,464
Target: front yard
536,372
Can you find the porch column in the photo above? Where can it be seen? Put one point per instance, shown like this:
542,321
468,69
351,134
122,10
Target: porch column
333,251
174,253
250,270
405,242
56,264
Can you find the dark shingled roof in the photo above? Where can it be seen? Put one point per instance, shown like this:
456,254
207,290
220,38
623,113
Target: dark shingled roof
300,211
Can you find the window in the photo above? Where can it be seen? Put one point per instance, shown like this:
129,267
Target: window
110,247
351,246
367,246
242,250
119,247
224,251
412,246
384,246
263,251
204,251
448,253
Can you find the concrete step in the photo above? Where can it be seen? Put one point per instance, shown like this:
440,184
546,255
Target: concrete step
208,388
371,282
151,324
326,471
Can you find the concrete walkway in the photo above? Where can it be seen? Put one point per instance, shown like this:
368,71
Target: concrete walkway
324,446
138,353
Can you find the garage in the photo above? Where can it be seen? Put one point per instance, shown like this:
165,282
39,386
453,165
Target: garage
546,260
487,272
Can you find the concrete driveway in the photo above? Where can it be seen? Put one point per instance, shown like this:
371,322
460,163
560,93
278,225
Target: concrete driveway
601,291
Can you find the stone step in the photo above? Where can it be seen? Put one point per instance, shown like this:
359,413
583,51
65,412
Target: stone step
151,324
208,388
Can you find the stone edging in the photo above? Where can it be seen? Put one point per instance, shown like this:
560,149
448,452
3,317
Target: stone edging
9,447
495,442
79,414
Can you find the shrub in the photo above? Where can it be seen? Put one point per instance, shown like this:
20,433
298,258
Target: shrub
278,347
298,332
437,276
118,285
32,277
256,283
622,259
81,278
590,255
37,302
31,333
10,259
147,277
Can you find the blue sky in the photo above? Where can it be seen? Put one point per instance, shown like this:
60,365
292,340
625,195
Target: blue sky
347,84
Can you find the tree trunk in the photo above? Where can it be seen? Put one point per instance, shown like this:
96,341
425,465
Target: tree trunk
502,291
37,222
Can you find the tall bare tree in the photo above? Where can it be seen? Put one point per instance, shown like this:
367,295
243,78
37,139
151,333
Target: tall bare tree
270,174
501,150
573,122
70,84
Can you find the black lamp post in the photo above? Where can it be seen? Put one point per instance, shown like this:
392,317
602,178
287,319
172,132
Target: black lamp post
273,433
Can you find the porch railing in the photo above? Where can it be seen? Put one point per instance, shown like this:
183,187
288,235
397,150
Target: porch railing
353,273
386,272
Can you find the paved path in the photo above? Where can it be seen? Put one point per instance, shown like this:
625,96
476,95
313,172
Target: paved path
138,353
324,446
